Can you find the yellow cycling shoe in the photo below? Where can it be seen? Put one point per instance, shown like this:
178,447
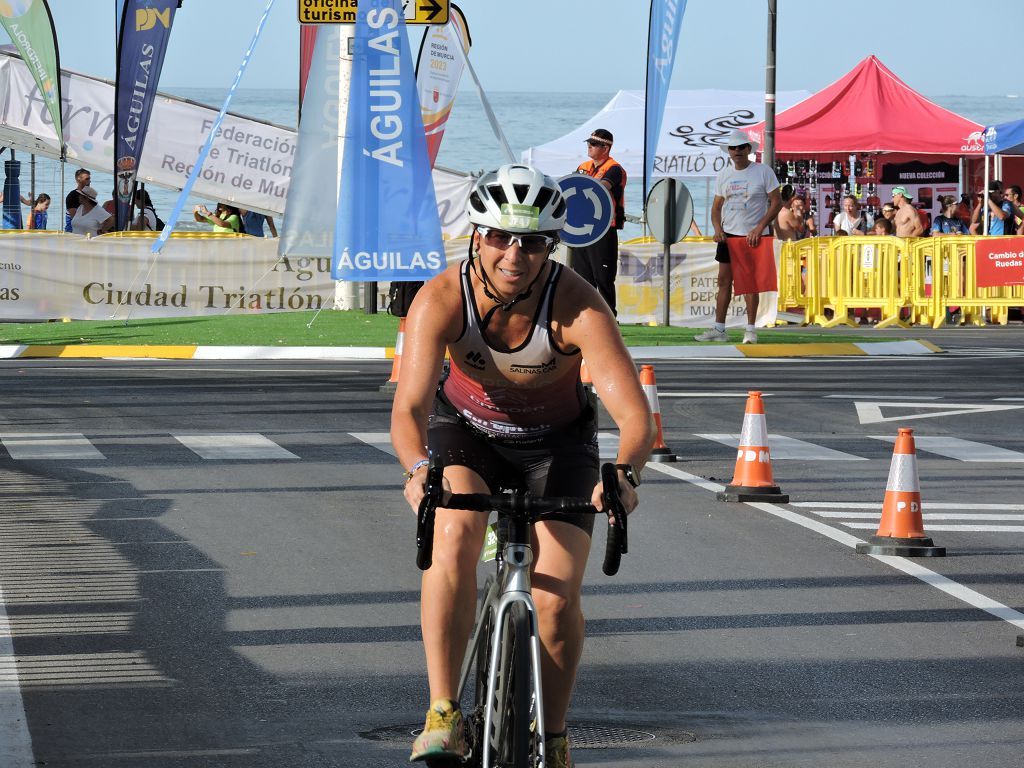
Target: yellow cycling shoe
443,736
556,753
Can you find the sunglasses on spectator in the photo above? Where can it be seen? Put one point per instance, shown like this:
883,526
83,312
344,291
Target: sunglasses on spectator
740,146
594,143
528,244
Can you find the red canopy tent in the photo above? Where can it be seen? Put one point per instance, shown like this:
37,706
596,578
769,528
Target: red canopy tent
872,110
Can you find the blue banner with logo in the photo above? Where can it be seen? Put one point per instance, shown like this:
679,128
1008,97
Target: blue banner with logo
142,43
387,227
662,42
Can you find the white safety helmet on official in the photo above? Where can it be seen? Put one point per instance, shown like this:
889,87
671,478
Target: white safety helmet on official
518,199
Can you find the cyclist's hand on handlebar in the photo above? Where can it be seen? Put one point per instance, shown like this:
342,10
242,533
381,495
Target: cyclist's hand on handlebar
627,494
415,489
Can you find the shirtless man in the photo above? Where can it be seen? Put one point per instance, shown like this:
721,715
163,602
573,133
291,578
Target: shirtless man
908,222
792,222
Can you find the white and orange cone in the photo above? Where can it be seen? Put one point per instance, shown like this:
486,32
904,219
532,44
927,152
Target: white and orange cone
901,529
660,452
585,375
752,479
392,384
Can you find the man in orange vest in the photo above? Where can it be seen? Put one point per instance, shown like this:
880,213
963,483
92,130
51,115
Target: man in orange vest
598,263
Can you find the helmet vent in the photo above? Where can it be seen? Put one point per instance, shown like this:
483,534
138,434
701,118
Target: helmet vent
497,194
522,190
543,197
477,203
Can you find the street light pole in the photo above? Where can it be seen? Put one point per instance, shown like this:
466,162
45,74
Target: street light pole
768,151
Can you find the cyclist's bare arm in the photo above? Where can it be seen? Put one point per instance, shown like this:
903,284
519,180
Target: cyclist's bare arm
434,320
583,320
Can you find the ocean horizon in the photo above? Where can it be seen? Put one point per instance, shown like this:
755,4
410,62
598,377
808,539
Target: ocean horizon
527,119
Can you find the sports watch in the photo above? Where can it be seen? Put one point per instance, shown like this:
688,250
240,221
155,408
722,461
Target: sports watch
631,472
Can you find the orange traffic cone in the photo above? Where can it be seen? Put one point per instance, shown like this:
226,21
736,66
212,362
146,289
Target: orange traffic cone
660,452
392,384
752,480
901,529
585,375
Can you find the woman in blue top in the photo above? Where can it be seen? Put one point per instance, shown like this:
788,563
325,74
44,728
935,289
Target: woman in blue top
947,222
37,216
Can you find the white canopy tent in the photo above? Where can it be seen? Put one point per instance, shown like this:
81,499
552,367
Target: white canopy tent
690,145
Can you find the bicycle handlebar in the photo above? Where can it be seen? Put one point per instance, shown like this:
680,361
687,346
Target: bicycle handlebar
530,507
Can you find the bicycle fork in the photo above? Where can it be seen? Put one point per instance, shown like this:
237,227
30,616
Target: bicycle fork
516,589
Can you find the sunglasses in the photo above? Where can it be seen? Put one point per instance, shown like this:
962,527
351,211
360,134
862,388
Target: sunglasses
593,143
528,244
740,146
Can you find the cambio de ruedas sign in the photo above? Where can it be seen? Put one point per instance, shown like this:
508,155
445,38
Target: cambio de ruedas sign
999,262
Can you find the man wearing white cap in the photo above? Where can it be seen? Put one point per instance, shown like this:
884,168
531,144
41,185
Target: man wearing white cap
747,200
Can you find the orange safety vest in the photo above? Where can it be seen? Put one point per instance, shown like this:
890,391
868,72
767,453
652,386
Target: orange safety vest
597,172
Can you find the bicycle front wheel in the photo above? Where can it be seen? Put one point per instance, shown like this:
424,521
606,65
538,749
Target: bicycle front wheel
513,731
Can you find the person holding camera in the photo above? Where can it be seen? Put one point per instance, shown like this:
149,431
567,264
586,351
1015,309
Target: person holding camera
1000,212
226,218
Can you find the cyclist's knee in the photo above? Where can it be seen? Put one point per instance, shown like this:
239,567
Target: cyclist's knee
558,605
457,542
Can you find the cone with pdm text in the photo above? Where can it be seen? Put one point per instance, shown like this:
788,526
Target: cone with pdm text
752,479
660,452
901,529
392,384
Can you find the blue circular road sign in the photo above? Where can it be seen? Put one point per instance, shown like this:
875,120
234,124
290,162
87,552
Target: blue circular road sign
589,210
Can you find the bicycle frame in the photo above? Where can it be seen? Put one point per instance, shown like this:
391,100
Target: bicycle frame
511,587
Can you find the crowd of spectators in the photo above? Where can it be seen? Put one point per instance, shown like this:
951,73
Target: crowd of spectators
902,218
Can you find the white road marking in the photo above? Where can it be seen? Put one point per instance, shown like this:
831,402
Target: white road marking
15,740
48,446
709,394
379,440
907,566
926,515
955,528
961,450
928,504
790,448
887,397
871,412
234,446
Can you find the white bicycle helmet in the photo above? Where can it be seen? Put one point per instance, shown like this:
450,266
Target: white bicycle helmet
517,199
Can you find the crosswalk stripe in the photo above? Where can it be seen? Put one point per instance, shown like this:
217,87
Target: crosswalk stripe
926,515
952,528
250,445
962,505
379,440
46,446
961,450
790,448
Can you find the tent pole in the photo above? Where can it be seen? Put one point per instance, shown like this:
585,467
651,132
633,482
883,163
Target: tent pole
961,167
707,203
984,199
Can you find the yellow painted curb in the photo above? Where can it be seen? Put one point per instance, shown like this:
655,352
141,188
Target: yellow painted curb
930,346
106,350
799,350
389,353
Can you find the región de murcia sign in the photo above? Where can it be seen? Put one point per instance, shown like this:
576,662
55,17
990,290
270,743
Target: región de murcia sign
344,11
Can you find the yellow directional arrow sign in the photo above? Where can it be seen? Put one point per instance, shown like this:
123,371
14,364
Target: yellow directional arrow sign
344,11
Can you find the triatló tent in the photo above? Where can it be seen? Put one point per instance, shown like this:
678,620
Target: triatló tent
690,144
871,110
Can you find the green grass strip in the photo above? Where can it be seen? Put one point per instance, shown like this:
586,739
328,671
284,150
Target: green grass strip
330,329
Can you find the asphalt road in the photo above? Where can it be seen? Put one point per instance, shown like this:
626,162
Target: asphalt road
180,598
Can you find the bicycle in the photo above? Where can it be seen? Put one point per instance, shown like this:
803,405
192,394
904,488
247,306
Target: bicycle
506,722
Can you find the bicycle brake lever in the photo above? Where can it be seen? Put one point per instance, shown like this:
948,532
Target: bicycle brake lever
425,517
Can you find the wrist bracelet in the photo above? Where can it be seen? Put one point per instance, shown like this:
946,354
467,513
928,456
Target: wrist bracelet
414,468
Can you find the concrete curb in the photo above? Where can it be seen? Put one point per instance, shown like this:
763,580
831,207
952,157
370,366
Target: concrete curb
908,347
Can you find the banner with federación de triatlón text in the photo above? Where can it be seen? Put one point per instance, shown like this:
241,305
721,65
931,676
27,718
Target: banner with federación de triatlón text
30,26
142,43
387,226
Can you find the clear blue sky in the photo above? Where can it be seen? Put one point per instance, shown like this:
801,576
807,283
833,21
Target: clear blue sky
600,45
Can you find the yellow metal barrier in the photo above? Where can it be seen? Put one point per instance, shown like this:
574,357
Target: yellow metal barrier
909,280
961,291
